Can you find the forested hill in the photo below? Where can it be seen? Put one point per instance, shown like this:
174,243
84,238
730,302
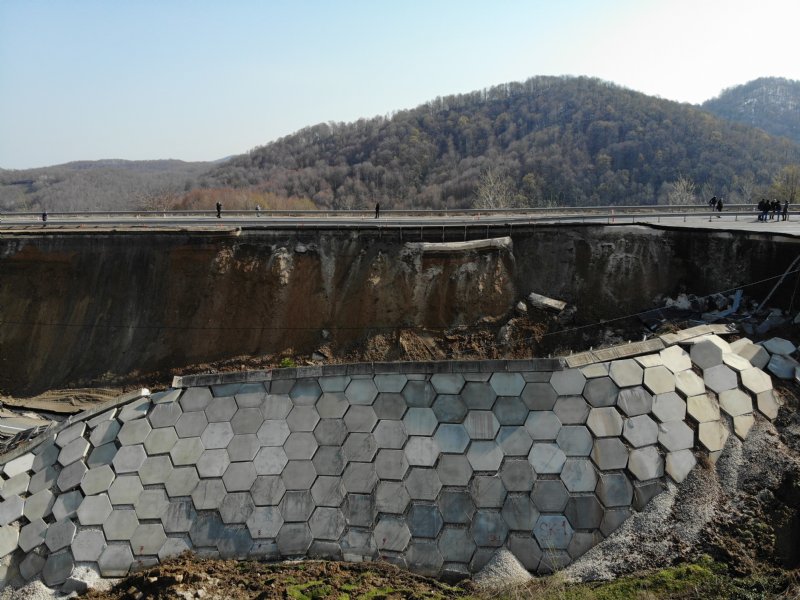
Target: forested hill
771,103
562,140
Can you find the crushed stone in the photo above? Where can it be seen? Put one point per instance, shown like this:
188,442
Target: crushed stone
502,571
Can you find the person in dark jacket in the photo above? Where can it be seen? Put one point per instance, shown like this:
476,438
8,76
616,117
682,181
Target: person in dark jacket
219,210
377,209
785,209
719,207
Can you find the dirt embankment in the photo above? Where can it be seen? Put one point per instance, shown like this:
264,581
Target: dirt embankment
110,309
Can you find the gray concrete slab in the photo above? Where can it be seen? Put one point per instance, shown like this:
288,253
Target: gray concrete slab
605,422
236,507
11,509
332,432
334,383
485,455
390,434
66,505
646,463
209,494
452,438
456,506
179,516
327,523
549,495
70,434
195,399
134,432
134,410
165,415
360,447
362,419
507,384
519,512
30,536
330,460
488,491
456,545
579,475
47,456
635,401
419,393
543,425
449,409
148,539
76,450
160,441
391,497
268,490
756,355
276,406
571,410
478,395
104,433
706,354
57,568
659,380
389,406
720,378
669,407
422,451
359,510
712,435
569,382
155,470
102,455
305,392
71,476
515,441
703,408
547,458
575,440
582,542
240,476
423,484
218,435
454,469
676,359
447,383
165,397
43,480
297,505
626,373
116,560
424,520
742,425
265,522
614,489
640,431
423,557
97,480
301,445
675,435
391,383
488,528
756,381
778,345
39,505
539,396
221,409
600,391
60,535
768,404
510,410
525,550
174,547
151,504
361,392
419,421
327,491
517,475
359,478
120,525
679,464
332,405
391,464
247,420
244,447
584,512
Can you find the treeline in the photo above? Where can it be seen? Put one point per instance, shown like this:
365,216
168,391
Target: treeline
549,140
770,103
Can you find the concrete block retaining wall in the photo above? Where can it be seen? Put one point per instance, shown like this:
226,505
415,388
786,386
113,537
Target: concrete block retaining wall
433,466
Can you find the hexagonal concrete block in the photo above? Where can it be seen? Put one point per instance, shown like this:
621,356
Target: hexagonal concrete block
614,489
645,463
569,382
777,345
332,405
179,516
392,533
488,528
783,367
37,506
635,401
547,458
57,568
601,391
579,475
454,469
680,464
539,396
195,399
241,448
120,525
66,505
209,494
736,362
517,475
390,434
160,441
217,435
151,504
32,535
419,393
669,407
264,522
543,425
391,464
702,408
423,557
148,539
11,509
525,550
104,433
392,383
297,475
755,354
221,409
452,438
742,425
128,459
390,497
420,421
706,354
389,406
456,545
605,422
735,402
75,450
304,418
69,478
756,381
236,507
360,447
675,435
553,532
456,506
422,451
510,410
424,520
507,384
361,391
239,477
190,424
519,512
276,406
359,478
331,432
327,523
297,505
247,420
613,518
213,463
720,378
423,484
267,490
640,431
575,440
712,435
478,396
330,460
659,380
359,510
335,383
183,480
165,415
488,491
305,392
60,535
70,434
134,432
447,383
550,495
88,545
485,456
481,425
270,461
584,512
362,419
116,560
676,359
649,360
301,445
768,404
571,410
449,409
515,441
626,373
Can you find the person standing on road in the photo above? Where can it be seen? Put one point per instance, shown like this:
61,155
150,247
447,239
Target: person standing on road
719,207
712,204
219,210
377,209
776,207
44,216
785,209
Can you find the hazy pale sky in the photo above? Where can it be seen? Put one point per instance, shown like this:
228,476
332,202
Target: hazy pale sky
200,80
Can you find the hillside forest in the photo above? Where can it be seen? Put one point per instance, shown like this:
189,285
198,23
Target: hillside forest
548,141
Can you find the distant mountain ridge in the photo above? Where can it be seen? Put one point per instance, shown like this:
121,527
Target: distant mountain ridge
769,103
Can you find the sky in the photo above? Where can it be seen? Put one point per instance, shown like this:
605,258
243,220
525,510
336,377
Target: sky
202,80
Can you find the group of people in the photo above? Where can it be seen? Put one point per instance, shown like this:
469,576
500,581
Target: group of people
772,210
715,204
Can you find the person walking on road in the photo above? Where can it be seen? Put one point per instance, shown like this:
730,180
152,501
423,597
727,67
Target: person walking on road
719,207
377,209
785,209
219,210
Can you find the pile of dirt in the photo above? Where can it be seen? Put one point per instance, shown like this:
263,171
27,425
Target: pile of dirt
189,576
